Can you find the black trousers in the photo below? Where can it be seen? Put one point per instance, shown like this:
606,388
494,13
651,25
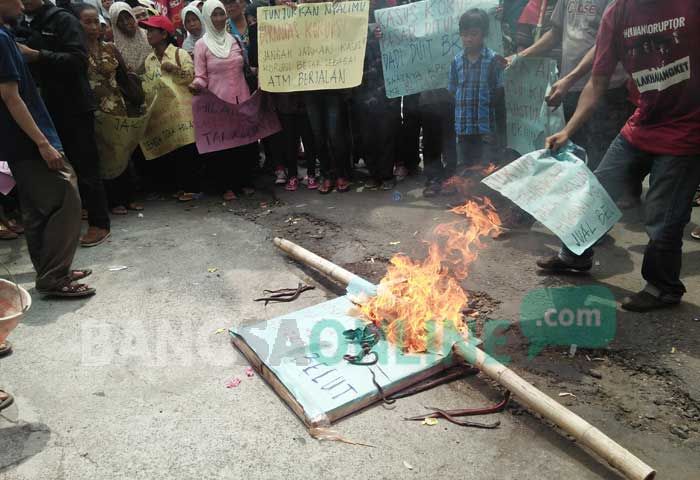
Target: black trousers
439,141
232,168
120,190
294,127
408,145
380,126
77,134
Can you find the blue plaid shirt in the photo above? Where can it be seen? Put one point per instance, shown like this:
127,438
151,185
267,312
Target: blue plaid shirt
474,92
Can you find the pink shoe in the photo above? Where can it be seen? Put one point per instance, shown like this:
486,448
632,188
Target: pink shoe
292,184
312,183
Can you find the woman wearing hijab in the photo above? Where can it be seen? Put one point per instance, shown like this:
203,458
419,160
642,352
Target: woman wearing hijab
194,25
219,59
129,39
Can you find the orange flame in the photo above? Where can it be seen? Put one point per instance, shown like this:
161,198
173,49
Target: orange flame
413,293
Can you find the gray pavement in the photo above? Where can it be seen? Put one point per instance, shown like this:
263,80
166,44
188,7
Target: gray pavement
131,383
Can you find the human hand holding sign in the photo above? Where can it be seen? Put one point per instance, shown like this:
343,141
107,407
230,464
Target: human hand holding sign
559,90
556,141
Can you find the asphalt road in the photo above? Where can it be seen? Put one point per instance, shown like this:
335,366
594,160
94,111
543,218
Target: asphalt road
131,384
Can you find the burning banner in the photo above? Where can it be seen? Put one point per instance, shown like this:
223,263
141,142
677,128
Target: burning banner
414,292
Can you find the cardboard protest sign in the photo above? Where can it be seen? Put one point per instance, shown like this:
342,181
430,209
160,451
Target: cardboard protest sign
529,120
317,46
170,124
117,138
420,40
219,125
300,355
561,192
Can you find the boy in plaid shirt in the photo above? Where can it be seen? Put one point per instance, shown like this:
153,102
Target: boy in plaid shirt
476,81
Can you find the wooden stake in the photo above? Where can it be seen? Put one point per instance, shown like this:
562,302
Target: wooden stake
584,433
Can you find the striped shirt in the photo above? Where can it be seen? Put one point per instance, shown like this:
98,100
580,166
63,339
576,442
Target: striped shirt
473,85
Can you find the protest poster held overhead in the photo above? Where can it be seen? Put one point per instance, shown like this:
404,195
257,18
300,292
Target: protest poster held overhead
420,40
317,46
530,121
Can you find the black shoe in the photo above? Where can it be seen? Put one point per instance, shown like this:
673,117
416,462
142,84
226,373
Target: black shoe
556,264
646,302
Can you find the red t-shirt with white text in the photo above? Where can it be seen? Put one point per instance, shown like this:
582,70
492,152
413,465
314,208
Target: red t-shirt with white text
658,43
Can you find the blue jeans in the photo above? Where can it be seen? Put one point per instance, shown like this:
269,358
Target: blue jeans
673,181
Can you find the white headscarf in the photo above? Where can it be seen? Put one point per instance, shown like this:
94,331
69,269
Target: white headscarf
219,42
191,39
134,49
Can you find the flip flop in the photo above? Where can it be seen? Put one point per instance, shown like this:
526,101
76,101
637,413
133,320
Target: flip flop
72,290
5,349
83,273
7,402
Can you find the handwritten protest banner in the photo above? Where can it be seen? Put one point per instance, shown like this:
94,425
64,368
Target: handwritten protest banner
529,120
170,124
117,138
219,125
317,46
420,40
561,192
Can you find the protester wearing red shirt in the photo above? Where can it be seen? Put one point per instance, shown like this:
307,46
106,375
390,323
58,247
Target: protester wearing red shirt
657,44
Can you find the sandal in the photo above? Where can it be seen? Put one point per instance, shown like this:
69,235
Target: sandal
342,185
695,233
7,234
16,226
7,402
136,207
185,197
120,210
70,290
76,275
5,349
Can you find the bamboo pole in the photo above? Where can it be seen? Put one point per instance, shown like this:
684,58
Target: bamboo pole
329,269
584,433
